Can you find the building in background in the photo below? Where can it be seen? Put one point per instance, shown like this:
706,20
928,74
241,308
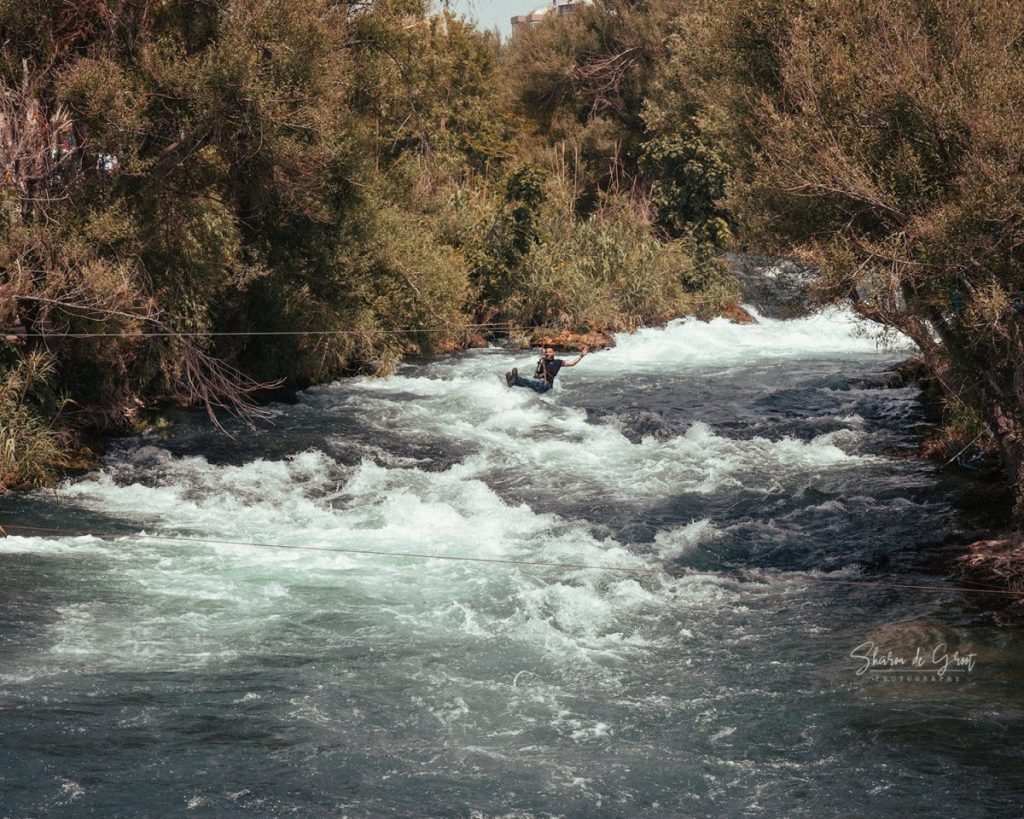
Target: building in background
558,8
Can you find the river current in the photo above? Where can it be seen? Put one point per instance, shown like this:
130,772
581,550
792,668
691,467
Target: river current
751,467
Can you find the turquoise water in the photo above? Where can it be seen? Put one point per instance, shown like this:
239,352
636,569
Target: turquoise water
142,676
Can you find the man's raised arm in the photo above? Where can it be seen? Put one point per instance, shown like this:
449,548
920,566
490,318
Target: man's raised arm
583,352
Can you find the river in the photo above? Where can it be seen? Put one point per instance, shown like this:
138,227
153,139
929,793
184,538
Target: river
738,471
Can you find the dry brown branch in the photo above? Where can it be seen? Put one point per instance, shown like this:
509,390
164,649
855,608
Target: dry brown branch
601,79
198,378
214,384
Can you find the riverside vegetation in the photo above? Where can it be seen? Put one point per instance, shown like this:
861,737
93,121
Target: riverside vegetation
224,166
194,166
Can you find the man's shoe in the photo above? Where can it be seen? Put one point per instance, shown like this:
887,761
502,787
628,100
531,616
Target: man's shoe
510,377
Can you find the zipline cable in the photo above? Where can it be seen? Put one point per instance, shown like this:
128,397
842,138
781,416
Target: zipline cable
258,333
374,552
757,576
489,325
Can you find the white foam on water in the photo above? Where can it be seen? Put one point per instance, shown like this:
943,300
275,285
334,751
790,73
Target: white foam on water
572,455
686,343
676,348
18,544
197,603
70,789
684,540
482,649
514,430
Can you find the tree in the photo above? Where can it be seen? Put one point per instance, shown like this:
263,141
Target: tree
883,147
176,168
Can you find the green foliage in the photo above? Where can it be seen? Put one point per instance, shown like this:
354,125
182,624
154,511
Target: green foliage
580,83
608,90
892,164
508,234
604,272
690,178
224,167
426,84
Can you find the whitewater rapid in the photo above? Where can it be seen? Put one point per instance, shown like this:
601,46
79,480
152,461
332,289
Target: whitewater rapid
228,618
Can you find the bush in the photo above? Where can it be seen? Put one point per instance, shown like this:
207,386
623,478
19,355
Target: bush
30,449
610,272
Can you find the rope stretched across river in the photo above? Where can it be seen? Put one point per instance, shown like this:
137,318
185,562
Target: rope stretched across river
493,326
753,576
261,333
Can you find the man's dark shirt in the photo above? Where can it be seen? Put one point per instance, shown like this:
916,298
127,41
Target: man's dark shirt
548,369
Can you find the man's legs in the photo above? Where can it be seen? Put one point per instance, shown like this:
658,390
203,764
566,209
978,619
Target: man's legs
535,384
513,379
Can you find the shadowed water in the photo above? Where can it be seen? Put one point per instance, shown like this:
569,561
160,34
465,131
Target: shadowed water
145,676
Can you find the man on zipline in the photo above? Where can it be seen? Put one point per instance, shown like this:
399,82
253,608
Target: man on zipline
547,368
